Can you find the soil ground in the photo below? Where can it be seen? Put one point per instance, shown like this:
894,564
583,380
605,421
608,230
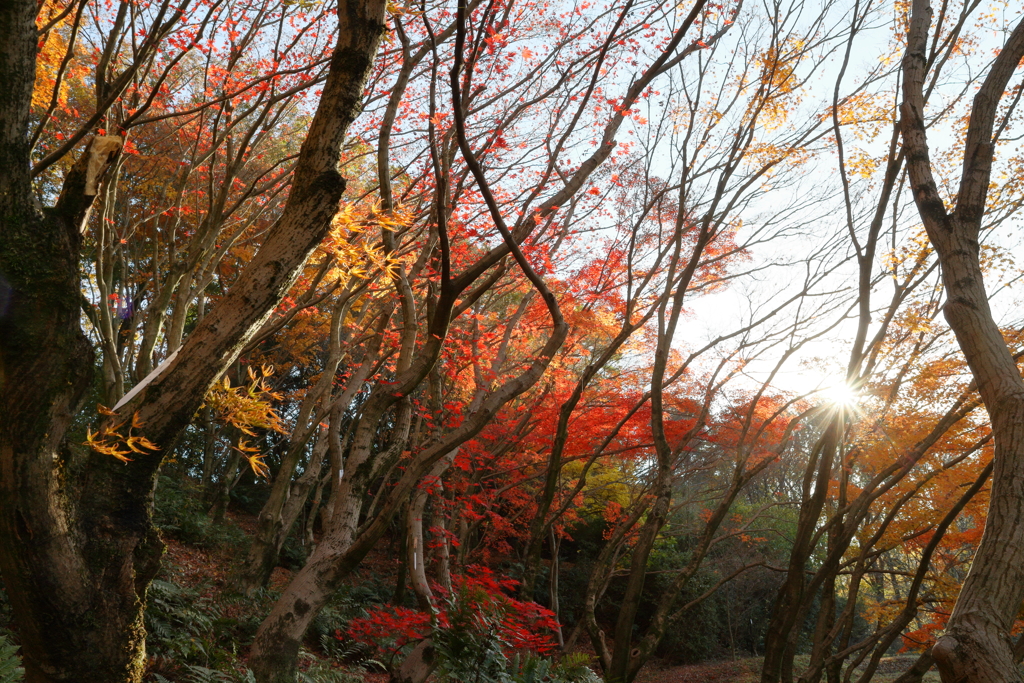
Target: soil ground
748,671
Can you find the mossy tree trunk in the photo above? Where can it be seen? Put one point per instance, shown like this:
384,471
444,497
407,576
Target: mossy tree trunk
77,545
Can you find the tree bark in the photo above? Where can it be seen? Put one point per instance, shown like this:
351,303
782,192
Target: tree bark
287,497
975,647
77,544
417,667
75,574
277,518
918,669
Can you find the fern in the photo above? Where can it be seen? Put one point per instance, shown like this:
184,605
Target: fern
179,623
575,668
323,674
528,668
10,662
10,672
349,651
200,674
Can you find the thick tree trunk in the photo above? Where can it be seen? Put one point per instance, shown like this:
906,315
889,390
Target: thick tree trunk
75,561
976,647
77,545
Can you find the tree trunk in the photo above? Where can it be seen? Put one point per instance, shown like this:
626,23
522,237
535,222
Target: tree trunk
345,543
77,545
277,519
77,548
417,667
416,545
625,662
222,489
209,448
826,620
976,647
784,622
917,671
286,497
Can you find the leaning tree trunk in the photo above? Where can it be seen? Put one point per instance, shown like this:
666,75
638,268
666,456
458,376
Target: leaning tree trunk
975,647
77,545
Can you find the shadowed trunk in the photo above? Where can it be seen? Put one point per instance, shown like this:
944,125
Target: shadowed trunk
77,545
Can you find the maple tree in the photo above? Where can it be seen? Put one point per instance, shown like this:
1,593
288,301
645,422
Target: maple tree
488,346
975,645
79,593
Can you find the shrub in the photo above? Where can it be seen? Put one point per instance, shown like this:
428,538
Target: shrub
478,608
480,633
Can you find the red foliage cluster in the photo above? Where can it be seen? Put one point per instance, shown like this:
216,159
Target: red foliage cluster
478,602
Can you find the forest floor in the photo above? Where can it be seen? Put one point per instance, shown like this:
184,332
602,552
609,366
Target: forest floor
748,670
198,630
203,570
203,567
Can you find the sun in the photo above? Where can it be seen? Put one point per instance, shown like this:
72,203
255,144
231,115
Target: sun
841,395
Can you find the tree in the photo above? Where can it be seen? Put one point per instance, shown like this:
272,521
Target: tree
976,644
498,320
79,548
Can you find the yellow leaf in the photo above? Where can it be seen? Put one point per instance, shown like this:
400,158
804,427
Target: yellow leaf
121,455
258,467
146,443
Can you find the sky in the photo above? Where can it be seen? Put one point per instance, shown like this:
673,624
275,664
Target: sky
821,364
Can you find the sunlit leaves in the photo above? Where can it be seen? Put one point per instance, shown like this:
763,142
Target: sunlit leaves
247,407
354,239
112,439
53,48
779,80
254,457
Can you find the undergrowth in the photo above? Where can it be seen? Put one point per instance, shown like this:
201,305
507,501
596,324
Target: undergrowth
199,633
10,662
180,513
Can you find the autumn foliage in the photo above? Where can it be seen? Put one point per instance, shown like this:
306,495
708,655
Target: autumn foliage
477,606
612,322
